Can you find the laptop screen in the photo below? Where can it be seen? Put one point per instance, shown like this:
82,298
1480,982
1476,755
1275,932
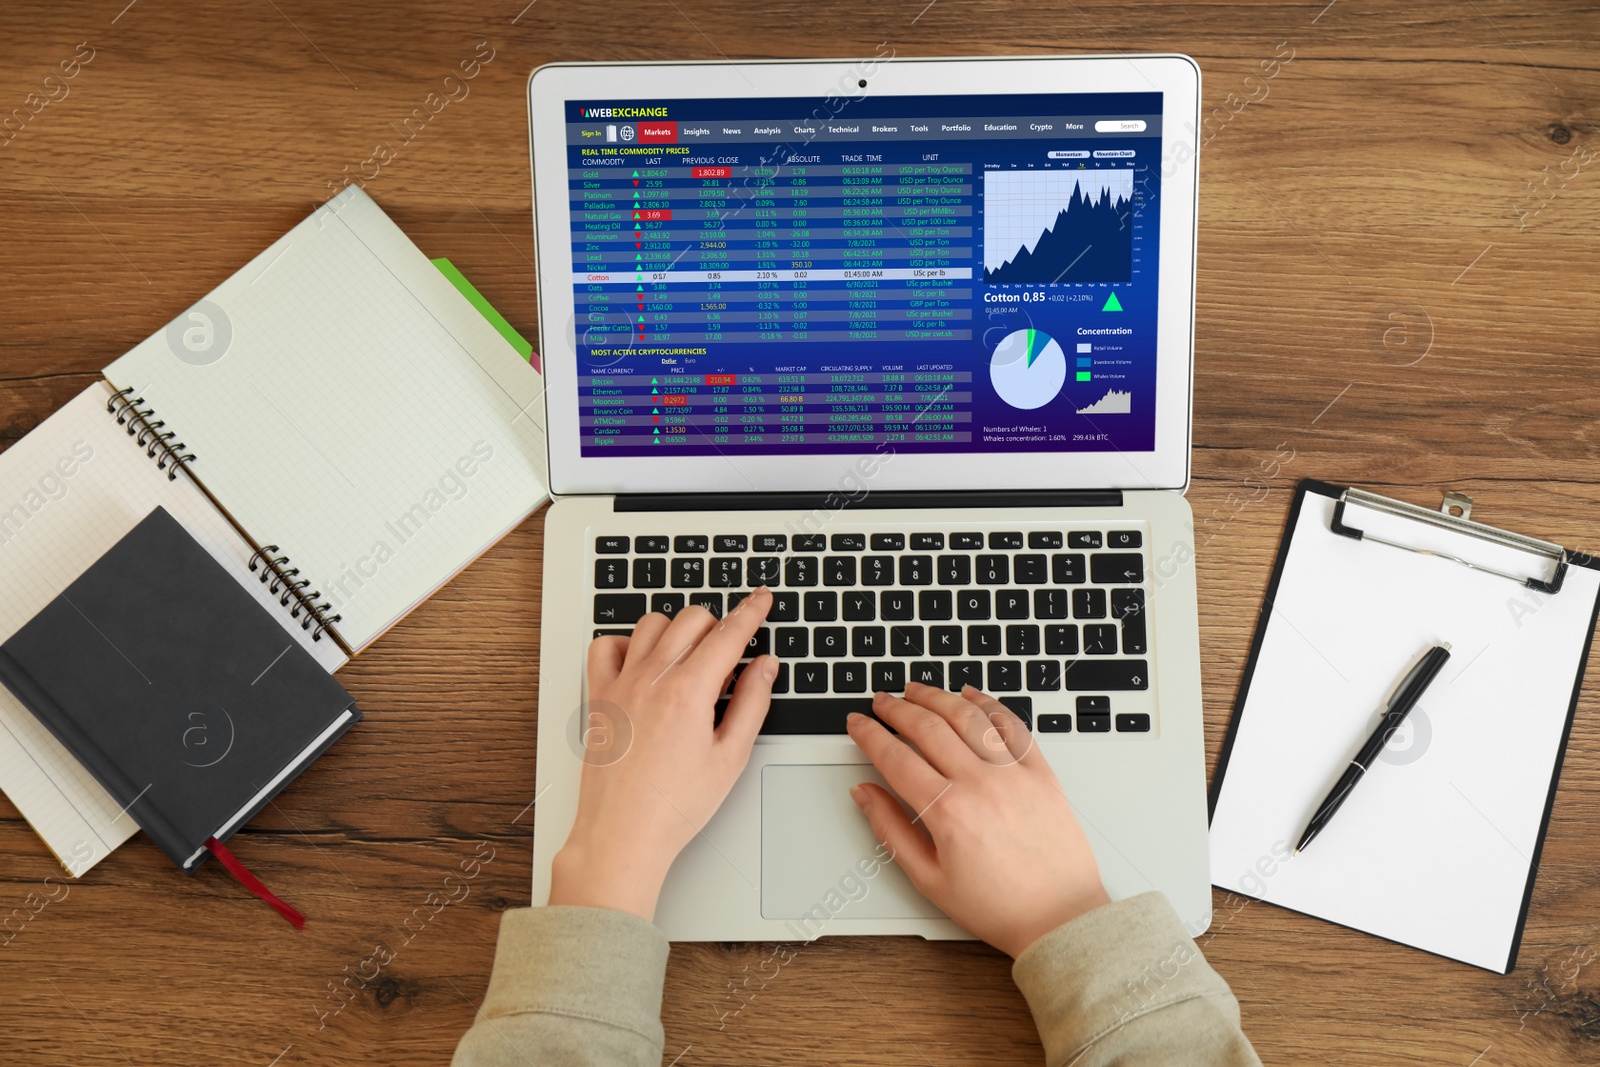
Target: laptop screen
787,277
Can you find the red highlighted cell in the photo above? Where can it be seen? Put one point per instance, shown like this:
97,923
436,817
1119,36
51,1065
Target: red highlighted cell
675,400
721,379
653,214
658,132
711,172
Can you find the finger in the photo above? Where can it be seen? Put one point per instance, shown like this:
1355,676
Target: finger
906,772
605,659
1005,738
675,643
747,708
938,742
646,633
910,845
727,642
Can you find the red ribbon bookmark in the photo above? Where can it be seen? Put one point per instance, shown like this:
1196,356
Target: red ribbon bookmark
254,884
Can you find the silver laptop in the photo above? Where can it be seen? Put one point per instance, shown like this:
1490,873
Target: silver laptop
911,342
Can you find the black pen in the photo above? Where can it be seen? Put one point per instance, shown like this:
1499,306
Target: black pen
1405,697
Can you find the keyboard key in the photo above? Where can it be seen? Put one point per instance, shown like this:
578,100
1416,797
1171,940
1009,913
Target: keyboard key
1011,604
983,640
849,677
1083,539
616,631
1088,603
955,570
726,573
760,643
770,542
1029,569
1134,640
712,602
809,678
1094,724
1107,675
800,571
1100,639
1116,568
612,545
1095,705
896,604
793,642
735,599
1055,724
828,641
1133,723
838,570
731,543
905,641
849,542
916,570
691,543
688,572
927,542
1044,675
867,641
966,540
1124,539
780,684
1021,707
1061,639
1005,676
810,543
650,546
822,607
964,672
1012,539
1067,568
877,570
611,574
668,604
1050,604
972,604
649,573
928,674
889,677
860,606
888,542
944,641
614,609
1044,539
994,570
934,604
785,608
1022,640
1125,602
761,570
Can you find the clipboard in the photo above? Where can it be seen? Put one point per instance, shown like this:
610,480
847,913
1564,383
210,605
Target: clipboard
1439,846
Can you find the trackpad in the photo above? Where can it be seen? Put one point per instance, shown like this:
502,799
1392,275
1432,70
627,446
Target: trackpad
819,860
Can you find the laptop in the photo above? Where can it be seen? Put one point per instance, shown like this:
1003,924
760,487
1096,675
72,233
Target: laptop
909,341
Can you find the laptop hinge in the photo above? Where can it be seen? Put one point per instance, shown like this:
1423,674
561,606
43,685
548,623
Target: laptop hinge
840,500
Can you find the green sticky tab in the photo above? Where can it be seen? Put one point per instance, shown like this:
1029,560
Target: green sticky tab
486,309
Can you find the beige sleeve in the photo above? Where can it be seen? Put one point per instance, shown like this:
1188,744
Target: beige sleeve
571,987
1125,985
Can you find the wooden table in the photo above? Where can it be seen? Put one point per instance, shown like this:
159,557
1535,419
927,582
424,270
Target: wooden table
1397,288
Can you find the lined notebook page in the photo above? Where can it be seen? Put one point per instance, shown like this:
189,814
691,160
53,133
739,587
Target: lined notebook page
1434,847
361,414
69,490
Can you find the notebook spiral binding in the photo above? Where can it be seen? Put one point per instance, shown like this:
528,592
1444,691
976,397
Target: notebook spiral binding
276,575
148,432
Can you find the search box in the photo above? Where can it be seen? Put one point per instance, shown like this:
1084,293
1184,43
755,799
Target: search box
1119,126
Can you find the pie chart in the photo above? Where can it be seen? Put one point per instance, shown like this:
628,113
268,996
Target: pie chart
1028,369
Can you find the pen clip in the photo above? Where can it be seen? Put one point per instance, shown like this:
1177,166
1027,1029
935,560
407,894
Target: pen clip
1406,679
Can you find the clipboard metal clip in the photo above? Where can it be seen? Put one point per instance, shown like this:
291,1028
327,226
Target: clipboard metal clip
1447,518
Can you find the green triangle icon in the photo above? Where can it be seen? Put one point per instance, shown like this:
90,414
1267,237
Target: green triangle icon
635,174
655,411
1112,303
655,381
658,432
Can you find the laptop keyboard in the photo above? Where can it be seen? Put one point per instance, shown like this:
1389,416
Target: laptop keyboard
1053,617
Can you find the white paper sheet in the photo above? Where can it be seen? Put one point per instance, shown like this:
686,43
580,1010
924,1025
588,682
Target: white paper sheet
1434,847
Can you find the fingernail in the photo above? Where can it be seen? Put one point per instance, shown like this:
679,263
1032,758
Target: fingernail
858,795
769,668
850,719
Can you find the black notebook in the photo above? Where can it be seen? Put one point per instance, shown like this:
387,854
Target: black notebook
175,688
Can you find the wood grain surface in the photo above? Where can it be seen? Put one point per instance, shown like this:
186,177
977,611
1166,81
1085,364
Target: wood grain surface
1397,288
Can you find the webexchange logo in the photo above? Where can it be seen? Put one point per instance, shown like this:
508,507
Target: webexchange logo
622,113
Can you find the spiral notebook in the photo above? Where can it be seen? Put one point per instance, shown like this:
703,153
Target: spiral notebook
1438,846
335,423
